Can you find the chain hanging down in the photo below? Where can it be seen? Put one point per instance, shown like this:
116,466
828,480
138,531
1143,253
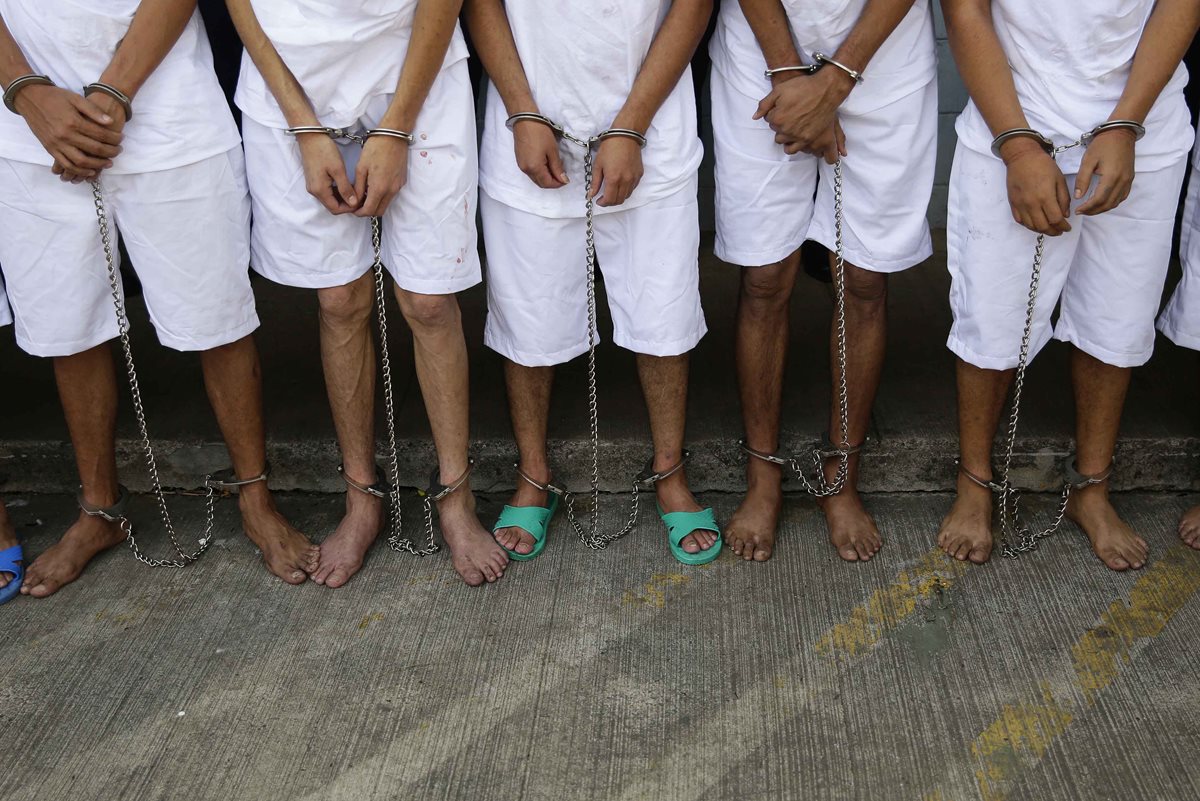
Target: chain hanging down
212,482
390,485
1016,536
592,536
818,486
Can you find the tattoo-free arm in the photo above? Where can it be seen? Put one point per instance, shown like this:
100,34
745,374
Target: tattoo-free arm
288,93
156,27
984,66
1165,39
433,27
12,61
493,39
669,56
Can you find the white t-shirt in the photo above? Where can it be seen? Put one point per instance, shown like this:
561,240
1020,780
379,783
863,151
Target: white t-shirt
179,116
581,60
904,63
344,54
1070,63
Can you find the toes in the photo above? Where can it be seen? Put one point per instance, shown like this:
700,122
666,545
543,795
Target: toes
863,550
734,542
848,553
1191,537
762,552
689,544
979,555
524,546
1115,562
338,577
507,538
294,577
961,551
322,574
471,575
45,588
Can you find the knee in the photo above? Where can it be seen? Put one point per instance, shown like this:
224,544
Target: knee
345,306
864,287
768,286
429,312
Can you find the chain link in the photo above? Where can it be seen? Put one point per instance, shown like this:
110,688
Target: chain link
183,558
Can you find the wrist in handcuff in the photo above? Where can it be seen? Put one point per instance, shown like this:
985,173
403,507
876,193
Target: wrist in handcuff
1020,147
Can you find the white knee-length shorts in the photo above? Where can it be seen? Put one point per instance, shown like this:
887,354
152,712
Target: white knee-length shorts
765,198
537,279
1180,320
430,245
1106,273
187,233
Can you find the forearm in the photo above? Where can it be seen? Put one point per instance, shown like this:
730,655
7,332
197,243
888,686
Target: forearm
879,18
493,38
982,64
1165,40
12,61
288,92
669,56
433,26
155,29
770,24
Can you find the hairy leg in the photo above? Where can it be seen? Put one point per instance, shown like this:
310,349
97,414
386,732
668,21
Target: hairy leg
763,317
87,388
441,359
529,391
664,385
1099,399
233,379
852,530
966,532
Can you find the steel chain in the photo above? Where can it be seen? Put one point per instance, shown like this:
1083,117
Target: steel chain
183,557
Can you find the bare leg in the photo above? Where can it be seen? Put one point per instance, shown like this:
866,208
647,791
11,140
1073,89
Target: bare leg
8,538
529,407
233,378
441,359
1189,527
1099,398
762,338
852,530
348,356
966,531
664,385
87,387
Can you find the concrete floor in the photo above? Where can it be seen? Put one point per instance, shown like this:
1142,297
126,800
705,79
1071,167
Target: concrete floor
618,675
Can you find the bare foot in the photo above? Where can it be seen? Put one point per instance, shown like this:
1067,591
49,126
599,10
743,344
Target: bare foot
751,531
8,538
474,553
342,552
1112,539
1189,527
966,531
674,496
852,530
288,554
518,539
64,561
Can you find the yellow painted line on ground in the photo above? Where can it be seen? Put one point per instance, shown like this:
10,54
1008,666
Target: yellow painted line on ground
890,606
1023,733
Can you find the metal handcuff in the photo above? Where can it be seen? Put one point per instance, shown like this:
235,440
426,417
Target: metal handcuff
819,486
383,486
592,537
1011,525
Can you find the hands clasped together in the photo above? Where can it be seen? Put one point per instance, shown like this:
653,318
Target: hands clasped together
1037,188
381,173
802,111
616,172
82,134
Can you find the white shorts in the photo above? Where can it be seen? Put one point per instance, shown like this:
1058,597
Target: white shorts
765,198
187,233
1180,321
430,244
1107,272
537,279
5,312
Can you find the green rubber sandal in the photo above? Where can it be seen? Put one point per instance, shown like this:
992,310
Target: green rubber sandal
533,520
681,524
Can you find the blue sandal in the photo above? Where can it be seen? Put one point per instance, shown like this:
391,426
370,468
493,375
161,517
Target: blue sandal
12,560
533,520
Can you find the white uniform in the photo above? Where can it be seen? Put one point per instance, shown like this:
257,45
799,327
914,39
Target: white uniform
1070,64
5,312
581,60
177,194
765,198
1180,321
347,56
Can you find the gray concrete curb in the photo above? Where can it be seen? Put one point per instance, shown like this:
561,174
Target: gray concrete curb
917,464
